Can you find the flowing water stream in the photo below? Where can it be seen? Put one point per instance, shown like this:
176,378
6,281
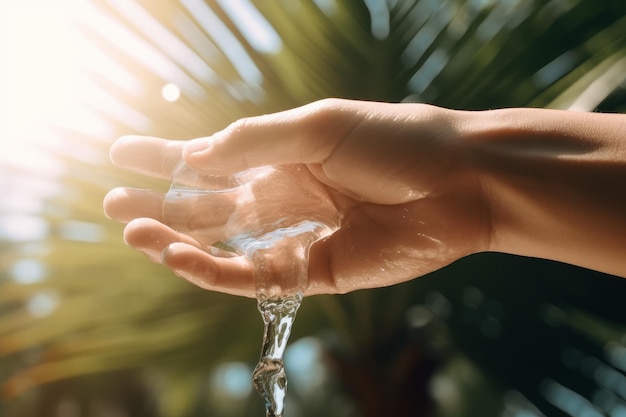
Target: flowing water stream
269,375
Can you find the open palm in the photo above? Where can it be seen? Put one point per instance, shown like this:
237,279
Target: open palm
388,231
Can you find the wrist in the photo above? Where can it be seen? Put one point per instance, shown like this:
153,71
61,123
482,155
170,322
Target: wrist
478,132
503,146
549,180
506,149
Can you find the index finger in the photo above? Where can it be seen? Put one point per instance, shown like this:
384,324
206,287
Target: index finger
147,155
306,134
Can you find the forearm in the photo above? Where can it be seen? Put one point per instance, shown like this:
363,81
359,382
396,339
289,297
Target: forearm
554,182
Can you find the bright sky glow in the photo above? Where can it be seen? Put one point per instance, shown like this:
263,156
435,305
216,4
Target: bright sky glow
43,82
137,49
168,43
328,7
47,81
23,227
224,38
379,12
28,271
38,76
253,26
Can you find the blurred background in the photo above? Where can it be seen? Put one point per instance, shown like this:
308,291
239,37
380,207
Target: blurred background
89,328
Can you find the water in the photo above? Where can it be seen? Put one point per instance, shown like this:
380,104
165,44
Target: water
269,375
241,215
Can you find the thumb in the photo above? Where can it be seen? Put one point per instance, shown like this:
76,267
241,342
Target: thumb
305,134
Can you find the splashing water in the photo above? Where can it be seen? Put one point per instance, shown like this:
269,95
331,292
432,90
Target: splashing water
241,215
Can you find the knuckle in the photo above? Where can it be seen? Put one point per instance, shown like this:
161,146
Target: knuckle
238,126
325,109
323,123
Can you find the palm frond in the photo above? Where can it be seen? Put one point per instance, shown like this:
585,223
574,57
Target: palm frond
84,305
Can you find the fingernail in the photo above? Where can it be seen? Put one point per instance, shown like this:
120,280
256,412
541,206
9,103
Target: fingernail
165,252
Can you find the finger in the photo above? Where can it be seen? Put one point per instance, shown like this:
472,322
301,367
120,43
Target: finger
306,134
151,237
233,275
208,216
205,217
147,155
126,204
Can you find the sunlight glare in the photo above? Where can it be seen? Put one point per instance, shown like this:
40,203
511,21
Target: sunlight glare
176,50
48,83
39,72
170,92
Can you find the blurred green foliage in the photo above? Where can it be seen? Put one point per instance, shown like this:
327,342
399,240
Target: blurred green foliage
90,328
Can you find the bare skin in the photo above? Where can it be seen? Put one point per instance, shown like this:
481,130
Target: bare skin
415,187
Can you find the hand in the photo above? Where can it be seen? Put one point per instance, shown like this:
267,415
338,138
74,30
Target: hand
396,175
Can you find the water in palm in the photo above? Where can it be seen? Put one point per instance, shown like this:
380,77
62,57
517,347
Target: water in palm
239,216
